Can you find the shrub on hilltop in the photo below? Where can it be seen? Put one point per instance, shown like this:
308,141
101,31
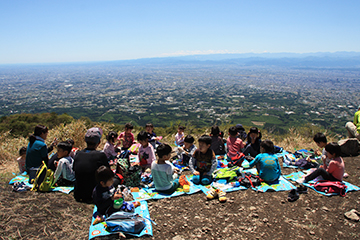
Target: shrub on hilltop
23,124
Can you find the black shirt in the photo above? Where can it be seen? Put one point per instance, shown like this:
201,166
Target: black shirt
86,162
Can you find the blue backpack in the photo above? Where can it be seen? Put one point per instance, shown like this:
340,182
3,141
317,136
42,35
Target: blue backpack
126,222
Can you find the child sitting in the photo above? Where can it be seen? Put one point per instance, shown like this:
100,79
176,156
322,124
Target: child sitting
21,160
253,142
179,136
163,172
111,150
241,132
203,163
104,193
64,173
217,143
334,171
146,151
234,144
153,139
127,137
321,142
267,164
186,152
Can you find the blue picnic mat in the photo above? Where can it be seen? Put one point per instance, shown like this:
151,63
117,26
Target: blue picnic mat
226,187
100,228
151,193
298,175
25,179
281,185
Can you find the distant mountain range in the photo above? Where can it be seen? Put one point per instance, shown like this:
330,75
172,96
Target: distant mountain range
320,59
294,60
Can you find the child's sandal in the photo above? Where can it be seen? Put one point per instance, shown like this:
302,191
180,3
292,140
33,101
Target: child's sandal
222,196
212,194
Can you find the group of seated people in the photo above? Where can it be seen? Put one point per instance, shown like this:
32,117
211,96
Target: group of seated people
89,170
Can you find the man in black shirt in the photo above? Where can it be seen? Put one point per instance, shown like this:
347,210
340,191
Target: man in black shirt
86,162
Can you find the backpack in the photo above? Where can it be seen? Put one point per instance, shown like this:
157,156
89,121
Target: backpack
237,160
250,180
229,174
330,187
133,177
44,179
126,222
122,166
304,164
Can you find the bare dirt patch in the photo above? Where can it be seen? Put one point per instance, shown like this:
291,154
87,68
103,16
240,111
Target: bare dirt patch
246,215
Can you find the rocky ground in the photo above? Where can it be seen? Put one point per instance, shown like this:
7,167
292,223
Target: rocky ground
246,215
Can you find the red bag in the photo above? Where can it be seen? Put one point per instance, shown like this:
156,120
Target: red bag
236,160
331,187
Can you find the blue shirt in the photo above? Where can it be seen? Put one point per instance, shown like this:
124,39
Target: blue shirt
269,167
36,153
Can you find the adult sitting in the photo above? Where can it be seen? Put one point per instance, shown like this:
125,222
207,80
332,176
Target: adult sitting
86,162
37,151
353,128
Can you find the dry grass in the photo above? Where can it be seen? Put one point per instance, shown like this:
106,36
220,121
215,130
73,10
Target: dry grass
9,146
297,140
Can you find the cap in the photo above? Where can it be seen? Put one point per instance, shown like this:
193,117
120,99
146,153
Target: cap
93,135
239,127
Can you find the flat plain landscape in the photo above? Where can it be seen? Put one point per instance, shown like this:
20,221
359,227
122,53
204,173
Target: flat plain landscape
274,98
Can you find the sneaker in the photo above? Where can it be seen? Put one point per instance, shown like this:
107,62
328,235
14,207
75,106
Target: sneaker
212,193
293,195
222,196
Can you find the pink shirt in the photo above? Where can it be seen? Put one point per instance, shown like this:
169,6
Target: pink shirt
109,150
336,168
129,139
178,139
234,145
146,155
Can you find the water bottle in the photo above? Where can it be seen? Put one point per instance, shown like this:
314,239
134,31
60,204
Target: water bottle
235,184
118,203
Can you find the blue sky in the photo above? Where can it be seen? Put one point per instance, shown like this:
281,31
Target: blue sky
71,31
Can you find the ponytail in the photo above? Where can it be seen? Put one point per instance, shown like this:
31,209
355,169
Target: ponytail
39,129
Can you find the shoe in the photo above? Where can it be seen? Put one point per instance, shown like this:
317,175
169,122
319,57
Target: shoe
213,193
222,196
302,190
20,187
346,175
293,195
